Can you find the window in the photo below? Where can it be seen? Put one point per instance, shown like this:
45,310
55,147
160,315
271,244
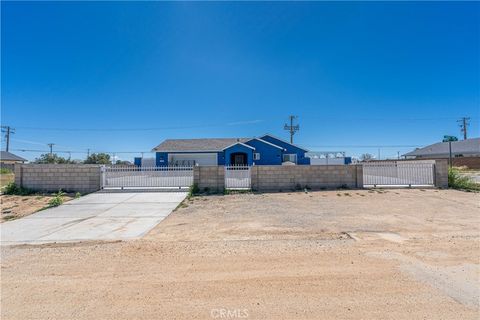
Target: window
256,156
290,157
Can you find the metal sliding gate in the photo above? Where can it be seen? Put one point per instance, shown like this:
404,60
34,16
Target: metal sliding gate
238,177
147,177
399,173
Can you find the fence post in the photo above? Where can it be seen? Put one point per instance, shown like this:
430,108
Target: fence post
18,171
102,177
441,173
359,178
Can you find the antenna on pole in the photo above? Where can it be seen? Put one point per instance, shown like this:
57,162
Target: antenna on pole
292,128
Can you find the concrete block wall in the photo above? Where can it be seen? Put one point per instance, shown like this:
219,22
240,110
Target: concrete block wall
282,178
210,178
53,177
441,173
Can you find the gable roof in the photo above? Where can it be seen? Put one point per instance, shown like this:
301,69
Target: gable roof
240,143
266,142
4,155
294,145
469,146
197,145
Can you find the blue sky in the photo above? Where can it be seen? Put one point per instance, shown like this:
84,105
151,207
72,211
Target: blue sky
356,74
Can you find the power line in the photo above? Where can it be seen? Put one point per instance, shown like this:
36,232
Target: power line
237,123
366,146
292,128
80,152
464,123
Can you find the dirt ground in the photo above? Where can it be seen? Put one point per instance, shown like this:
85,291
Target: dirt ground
14,207
395,254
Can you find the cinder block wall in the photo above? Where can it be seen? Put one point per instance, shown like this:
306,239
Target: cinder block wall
211,178
53,177
441,173
277,178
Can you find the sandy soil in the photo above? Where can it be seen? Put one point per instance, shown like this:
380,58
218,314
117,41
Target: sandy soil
14,207
397,254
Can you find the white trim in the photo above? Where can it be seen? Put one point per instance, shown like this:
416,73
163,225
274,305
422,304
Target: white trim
266,142
272,136
187,151
238,142
256,156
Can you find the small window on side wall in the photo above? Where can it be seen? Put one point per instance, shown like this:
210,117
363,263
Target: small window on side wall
256,156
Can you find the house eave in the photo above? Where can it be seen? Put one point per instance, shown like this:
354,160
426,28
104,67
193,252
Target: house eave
270,135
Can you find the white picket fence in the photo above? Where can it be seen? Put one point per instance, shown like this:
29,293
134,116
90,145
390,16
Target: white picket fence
399,173
238,177
147,177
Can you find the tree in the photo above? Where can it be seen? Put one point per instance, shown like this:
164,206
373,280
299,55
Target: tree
98,158
123,163
366,157
449,138
52,158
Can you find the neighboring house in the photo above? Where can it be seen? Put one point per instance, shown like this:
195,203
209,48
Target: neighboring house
10,158
264,150
441,150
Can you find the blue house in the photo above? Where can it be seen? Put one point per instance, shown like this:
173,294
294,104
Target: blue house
265,150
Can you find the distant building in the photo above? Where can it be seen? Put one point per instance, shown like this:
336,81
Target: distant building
328,158
10,158
441,150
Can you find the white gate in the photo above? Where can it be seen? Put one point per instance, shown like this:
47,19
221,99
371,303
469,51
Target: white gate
147,177
238,177
399,173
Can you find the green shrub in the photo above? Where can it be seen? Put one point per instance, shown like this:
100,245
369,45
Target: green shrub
460,182
12,189
5,171
193,190
57,199
78,195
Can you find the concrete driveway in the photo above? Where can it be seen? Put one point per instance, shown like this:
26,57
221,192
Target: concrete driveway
97,216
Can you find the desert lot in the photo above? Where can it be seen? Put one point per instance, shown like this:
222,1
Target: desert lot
386,254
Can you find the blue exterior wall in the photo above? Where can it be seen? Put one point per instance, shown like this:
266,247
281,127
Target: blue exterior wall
239,148
269,155
301,158
137,161
161,159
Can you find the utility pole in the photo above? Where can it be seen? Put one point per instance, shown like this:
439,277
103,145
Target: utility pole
88,153
291,127
464,123
50,145
8,131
